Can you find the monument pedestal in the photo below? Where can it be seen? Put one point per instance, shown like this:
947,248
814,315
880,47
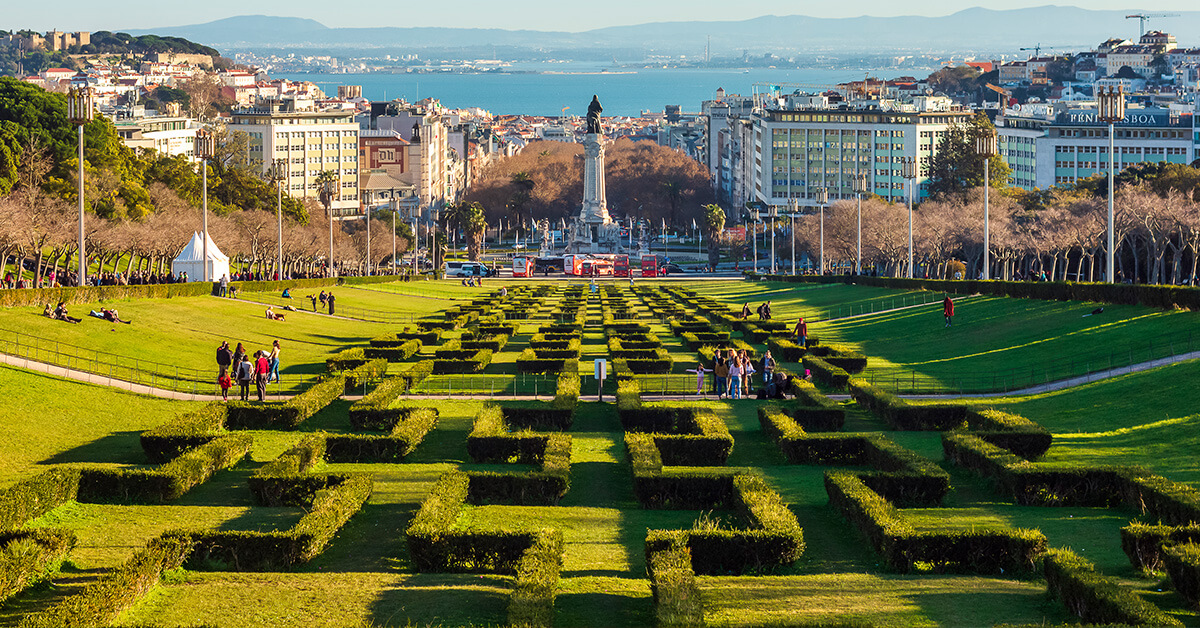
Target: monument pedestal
594,231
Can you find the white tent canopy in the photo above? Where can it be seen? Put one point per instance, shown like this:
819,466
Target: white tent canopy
191,260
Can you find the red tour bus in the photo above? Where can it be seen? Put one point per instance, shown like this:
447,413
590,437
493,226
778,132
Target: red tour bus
522,267
621,266
649,265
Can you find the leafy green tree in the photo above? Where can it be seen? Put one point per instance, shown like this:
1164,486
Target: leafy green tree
956,166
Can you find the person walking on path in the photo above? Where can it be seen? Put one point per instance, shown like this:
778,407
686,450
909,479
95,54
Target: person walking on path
699,371
767,311
245,372
262,370
948,310
801,332
735,379
329,300
768,367
745,311
224,359
274,358
224,382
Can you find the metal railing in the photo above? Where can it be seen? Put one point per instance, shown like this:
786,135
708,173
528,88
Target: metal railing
109,367
882,304
1081,365
498,385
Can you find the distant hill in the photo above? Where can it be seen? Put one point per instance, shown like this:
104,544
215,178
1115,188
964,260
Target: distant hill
976,29
105,42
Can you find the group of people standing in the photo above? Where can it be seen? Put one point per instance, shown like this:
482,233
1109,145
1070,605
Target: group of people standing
238,365
733,374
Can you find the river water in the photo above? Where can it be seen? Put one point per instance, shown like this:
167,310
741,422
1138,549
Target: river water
623,92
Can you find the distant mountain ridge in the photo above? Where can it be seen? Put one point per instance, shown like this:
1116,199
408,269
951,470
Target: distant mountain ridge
1052,27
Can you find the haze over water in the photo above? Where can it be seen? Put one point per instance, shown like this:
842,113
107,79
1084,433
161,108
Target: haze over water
547,93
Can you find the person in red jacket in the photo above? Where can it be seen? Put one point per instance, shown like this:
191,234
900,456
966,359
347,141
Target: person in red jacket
262,369
801,332
948,310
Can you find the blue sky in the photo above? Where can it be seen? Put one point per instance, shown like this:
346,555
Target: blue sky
571,15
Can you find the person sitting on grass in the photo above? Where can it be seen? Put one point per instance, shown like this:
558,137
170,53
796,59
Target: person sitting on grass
48,313
61,314
113,317
287,293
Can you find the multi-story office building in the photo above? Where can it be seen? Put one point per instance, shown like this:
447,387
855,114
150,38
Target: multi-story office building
433,170
166,134
795,152
312,142
1072,144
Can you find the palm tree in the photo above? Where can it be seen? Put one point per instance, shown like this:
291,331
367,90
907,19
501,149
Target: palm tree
327,182
474,226
714,225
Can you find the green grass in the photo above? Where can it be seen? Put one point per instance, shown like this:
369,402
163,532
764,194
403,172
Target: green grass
365,577
184,333
372,303
47,421
1006,344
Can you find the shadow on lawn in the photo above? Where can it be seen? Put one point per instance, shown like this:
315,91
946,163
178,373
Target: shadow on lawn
116,447
444,599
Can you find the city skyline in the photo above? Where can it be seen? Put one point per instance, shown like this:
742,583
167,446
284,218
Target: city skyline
543,15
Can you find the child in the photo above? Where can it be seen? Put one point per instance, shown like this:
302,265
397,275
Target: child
699,371
225,383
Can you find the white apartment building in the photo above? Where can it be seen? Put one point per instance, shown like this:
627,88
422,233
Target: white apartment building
434,174
797,151
311,142
165,134
1071,145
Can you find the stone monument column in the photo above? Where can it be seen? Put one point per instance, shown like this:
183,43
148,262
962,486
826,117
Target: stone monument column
594,230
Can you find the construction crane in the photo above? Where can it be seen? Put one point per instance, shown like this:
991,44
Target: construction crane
1006,95
1142,17
1037,50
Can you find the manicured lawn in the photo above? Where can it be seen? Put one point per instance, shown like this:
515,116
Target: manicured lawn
365,577
47,421
184,333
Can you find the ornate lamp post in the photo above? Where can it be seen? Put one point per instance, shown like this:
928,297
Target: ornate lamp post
1112,110
860,188
795,207
822,201
774,213
368,217
985,146
80,108
203,150
278,174
395,210
910,173
327,189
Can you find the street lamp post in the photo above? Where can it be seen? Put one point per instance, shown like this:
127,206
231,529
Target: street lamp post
278,174
203,150
860,188
910,173
822,201
368,239
985,146
328,190
395,210
774,213
1112,110
79,112
795,207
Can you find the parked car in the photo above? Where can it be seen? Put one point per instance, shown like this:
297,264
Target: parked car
467,269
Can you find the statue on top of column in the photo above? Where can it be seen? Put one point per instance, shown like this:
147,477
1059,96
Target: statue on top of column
593,116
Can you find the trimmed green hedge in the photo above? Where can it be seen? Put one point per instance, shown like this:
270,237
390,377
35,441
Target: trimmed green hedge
827,373
187,431
1143,543
902,415
33,497
28,557
492,441
1183,565
536,583
902,547
1095,598
677,602
395,353
409,430
245,415
473,364
345,360
1010,431
341,498
102,601
786,350
166,483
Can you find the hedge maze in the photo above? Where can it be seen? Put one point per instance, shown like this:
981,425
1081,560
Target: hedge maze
401,468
